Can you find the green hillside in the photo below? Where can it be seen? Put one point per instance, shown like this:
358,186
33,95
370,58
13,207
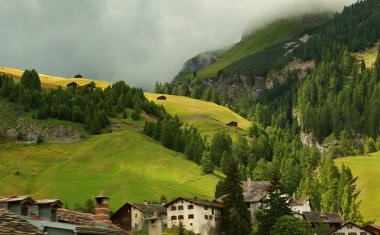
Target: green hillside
274,33
208,117
126,165
366,167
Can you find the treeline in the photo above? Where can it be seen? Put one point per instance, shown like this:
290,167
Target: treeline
90,106
172,135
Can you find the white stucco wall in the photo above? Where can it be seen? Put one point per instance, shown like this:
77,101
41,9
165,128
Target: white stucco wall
351,229
198,224
137,219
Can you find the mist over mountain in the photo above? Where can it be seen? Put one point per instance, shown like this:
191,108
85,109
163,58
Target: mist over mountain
139,41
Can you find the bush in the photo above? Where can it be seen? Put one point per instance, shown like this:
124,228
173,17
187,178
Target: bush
125,115
40,139
289,225
20,136
135,115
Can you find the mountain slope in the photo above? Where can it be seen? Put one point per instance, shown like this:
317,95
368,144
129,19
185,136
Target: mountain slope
366,167
277,32
208,117
48,81
126,165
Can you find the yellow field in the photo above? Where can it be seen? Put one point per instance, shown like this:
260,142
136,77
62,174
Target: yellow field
208,117
52,81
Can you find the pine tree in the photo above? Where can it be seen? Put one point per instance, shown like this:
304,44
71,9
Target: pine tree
207,164
236,217
276,206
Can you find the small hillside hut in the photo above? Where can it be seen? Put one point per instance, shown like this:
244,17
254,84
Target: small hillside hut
72,84
162,97
232,123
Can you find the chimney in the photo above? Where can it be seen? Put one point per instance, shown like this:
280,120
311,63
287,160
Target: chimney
102,207
249,181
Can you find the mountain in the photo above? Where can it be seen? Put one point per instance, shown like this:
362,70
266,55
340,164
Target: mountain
236,69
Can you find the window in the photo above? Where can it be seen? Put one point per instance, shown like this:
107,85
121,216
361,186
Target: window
173,217
206,217
216,218
190,207
212,210
363,233
173,208
191,224
180,217
135,215
180,208
352,233
206,208
349,226
191,216
210,217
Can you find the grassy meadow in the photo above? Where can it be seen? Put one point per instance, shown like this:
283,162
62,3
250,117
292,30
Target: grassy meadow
126,165
208,117
366,167
48,81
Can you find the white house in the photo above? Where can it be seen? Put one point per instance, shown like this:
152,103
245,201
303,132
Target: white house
351,229
299,205
196,215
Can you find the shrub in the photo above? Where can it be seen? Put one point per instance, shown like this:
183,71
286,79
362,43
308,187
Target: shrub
40,139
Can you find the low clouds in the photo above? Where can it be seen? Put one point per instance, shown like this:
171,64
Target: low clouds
139,41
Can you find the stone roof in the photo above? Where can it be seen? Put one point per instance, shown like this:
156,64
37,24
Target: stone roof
86,221
323,217
12,224
197,201
49,202
298,201
16,198
255,191
149,207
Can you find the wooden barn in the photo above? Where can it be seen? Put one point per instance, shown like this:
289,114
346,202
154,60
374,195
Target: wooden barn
72,84
162,97
232,123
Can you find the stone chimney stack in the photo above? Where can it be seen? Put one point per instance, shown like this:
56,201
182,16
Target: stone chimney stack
102,207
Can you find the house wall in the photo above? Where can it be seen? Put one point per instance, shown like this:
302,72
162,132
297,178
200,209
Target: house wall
137,219
198,224
123,218
350,229
301,208
15,208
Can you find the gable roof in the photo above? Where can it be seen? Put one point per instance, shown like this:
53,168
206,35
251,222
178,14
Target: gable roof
201,202
355,225
12,224
298,201
8,199
144,208
51,202
323,217
255,191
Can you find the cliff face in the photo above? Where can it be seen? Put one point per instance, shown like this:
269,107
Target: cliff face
199,62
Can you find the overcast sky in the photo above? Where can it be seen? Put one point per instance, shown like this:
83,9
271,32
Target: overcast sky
139,41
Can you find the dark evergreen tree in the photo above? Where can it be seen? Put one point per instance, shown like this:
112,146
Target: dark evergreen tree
236,217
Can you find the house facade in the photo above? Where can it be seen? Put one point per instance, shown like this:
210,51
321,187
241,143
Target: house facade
132,216
196,215
351,229
299,205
